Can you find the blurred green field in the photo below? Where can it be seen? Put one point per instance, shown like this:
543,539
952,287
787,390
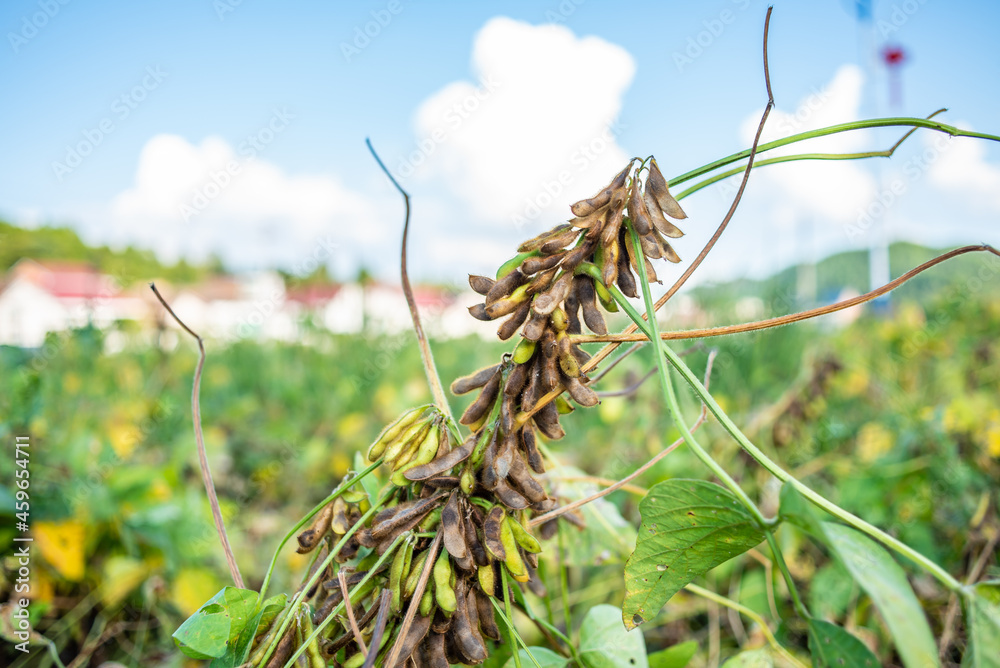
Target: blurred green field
895,417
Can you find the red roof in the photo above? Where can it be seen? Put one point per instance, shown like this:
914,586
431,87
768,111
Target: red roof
313,295
67,280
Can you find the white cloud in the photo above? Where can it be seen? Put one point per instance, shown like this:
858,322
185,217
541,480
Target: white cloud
962,169
541,109
833,191
191,200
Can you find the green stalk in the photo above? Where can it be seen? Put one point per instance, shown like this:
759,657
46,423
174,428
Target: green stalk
341,488
319,571
667,386
817,499
779,559
508,618
336,611
564,580
834,129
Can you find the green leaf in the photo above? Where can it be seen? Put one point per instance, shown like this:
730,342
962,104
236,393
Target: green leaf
677,656
605,643
208,633
885,583
794,508
688,528
982,614
242,646
545,657
755,658
833,647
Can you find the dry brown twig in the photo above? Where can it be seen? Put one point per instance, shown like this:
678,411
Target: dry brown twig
342,581
380,622
418,593
206,473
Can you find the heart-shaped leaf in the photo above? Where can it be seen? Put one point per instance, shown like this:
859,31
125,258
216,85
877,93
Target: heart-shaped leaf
216,625
688,528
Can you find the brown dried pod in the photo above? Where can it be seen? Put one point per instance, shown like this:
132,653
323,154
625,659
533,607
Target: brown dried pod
571,306
516,379
488,472
481,284
610,263
664,226
474,380
657,185
463,631
531,451
508,412
533,389
541,281
442,482
535,327
667,251
626,281
364,537
535,243
284,650
547,421
509,496
351,578
478,408
435,655
441,622
549,361
587,295
453,527
590,221
472,605
651,247
320,557
505,286
310,538
559,242
546,302
478,311
505,305
417,632
548,530
509,326
476,549
491,532
592,204
578,255
487,615
505,454
444,463
581,394
637,210
409,515
523,481
581,355
533,265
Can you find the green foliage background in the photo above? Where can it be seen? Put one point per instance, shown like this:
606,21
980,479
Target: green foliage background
895,417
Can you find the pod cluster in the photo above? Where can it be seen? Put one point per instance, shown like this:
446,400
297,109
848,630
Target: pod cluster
477,493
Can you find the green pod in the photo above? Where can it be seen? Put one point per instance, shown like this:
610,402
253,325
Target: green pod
523,536
416,567
513,263
487,579
512,558
523,351
444,592
398,572
427,603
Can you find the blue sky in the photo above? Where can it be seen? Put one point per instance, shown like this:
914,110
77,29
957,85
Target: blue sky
164,96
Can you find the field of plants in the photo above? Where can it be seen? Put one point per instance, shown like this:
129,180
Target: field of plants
894,417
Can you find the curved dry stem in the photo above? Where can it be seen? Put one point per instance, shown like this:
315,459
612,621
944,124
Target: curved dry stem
562,510
433,379
794,317
206,472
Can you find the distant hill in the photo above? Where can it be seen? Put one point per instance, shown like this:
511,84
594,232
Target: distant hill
64,244
847,270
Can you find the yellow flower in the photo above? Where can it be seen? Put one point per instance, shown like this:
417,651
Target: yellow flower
874,440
